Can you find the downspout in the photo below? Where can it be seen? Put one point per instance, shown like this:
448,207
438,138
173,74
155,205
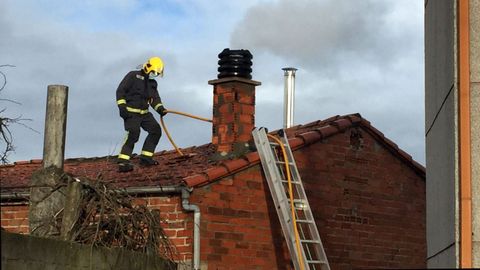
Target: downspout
196,226
184,191
464,140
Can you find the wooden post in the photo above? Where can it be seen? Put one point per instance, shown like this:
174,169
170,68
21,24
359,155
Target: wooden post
55,126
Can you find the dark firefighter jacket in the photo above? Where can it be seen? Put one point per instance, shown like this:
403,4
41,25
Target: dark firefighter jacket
137,91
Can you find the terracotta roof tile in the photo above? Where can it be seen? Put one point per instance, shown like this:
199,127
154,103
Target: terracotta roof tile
405,154
8,165
365,122
393,147
354,118
331,119
216,172
311,136
296,142
253,157
341,124
22,162
327,131
418,165
312,124
236,164
390,142
195,180
195,168
171,170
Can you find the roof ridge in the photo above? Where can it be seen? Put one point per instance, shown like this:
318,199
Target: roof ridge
333,126
303,139
393,147
299,136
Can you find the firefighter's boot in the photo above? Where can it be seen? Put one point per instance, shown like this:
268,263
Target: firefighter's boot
147,161
125,166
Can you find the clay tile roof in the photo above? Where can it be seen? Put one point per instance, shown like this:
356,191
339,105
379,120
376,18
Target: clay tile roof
195,169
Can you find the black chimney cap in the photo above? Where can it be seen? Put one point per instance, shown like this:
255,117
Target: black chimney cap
235,63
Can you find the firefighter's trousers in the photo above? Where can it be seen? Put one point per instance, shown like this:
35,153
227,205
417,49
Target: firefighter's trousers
132,125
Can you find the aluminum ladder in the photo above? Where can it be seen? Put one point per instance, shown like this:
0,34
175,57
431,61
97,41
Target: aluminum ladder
312,255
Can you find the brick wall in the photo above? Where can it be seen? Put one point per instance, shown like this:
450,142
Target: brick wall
369,207
240,228
14,218
177,223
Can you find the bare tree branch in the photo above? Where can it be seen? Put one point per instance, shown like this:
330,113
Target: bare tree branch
4,76
6,122
5,83
6,136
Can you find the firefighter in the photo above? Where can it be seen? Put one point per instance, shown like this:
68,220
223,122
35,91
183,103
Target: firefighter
135,93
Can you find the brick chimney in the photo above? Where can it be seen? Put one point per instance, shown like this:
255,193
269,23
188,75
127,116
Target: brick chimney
233,105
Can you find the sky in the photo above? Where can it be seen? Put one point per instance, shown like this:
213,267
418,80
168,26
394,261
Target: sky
352,56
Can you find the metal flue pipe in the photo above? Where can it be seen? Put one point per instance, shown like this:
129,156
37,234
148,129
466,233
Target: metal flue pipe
289,96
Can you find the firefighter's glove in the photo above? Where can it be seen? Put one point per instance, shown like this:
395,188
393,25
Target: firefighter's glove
123,112
162,111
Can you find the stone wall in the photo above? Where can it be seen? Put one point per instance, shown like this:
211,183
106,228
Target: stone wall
21,252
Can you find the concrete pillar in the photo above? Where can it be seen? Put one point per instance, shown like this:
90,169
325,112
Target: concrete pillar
47,199
55,126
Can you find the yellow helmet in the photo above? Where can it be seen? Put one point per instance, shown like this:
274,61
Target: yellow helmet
154,65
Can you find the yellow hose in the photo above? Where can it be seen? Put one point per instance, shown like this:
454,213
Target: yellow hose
190,115
168,133
170,137
290,191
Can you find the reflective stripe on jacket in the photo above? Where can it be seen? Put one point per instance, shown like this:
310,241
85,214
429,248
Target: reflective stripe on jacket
137,91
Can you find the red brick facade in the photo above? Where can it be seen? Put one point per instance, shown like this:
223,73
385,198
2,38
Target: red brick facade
240,229
14,218
368,202
369,207
177,223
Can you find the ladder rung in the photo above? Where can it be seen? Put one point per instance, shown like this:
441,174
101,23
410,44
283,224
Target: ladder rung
299,204
310,241
297,200
293,182
283,162
316,262
304,221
